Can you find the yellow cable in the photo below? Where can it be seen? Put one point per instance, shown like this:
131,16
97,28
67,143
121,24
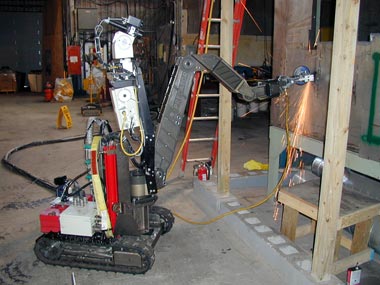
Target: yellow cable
122,144
275,190
122,135
171,168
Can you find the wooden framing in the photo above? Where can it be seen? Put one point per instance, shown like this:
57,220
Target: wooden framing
53,52
224,133
292,23
340,94
355,209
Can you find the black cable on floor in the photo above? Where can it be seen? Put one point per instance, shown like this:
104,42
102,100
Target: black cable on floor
43,183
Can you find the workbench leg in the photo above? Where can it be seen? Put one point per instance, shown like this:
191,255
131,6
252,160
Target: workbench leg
275,149
361,236
289,222
337,245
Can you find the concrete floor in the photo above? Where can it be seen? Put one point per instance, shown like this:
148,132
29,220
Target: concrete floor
189,254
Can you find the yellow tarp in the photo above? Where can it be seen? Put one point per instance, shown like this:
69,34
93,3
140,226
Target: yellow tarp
255,165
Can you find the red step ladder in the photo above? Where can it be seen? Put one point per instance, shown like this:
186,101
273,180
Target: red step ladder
203,46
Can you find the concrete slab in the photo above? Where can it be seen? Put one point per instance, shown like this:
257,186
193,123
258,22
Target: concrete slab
292,261
189,254
235,250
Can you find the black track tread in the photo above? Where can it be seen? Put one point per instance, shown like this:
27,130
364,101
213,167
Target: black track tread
135,244
166,217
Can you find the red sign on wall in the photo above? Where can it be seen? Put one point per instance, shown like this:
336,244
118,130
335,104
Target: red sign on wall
74,63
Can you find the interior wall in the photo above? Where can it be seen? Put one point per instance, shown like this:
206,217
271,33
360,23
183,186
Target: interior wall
260,11
369,21
252,50
53,44
255,45
155,51
291,49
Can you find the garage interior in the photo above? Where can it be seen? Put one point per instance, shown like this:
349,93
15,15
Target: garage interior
245,182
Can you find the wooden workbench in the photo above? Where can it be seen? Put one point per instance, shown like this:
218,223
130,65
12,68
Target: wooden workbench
355,209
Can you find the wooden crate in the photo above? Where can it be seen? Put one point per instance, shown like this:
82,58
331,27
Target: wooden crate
8,82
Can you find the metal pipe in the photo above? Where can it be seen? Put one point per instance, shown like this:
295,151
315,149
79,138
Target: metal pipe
317,168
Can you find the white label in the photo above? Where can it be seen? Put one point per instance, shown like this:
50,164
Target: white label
353,277
73,59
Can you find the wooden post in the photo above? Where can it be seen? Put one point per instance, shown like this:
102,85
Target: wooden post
280,33
339,106
361,236
289,222
224,139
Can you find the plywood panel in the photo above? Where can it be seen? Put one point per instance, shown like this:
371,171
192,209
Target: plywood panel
53,54
290,49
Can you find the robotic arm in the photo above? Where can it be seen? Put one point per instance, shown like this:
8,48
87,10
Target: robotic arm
177,93
261,90
131,105
128,94
129,29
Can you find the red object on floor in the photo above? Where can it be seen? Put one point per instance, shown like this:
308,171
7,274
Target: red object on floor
49,93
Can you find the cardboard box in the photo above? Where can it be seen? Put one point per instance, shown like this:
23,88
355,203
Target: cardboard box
8,82
35,82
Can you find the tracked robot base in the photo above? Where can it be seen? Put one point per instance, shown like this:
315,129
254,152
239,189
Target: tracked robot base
110,223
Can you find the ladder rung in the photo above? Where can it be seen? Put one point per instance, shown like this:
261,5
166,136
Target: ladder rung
213,46
201,139
210,46
215,20
208,95
198,159
205,118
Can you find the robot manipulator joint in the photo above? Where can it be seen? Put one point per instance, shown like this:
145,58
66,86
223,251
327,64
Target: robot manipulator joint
267,89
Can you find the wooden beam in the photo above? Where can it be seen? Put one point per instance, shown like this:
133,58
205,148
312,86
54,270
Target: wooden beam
280,33
289,222
358,258
306,229
357,216
308,209
338,242
346,242
224,133
361,236
338,115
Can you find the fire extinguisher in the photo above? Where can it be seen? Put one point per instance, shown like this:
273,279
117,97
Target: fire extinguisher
203,172
49,92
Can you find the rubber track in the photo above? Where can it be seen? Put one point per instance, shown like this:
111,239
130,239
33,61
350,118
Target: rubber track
166,217
57,250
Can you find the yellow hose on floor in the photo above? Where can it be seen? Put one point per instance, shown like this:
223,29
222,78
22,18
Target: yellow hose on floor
274,191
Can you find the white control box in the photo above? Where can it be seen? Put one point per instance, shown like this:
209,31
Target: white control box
125,104
79,220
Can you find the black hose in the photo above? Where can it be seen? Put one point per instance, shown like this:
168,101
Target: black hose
80,189
24,173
